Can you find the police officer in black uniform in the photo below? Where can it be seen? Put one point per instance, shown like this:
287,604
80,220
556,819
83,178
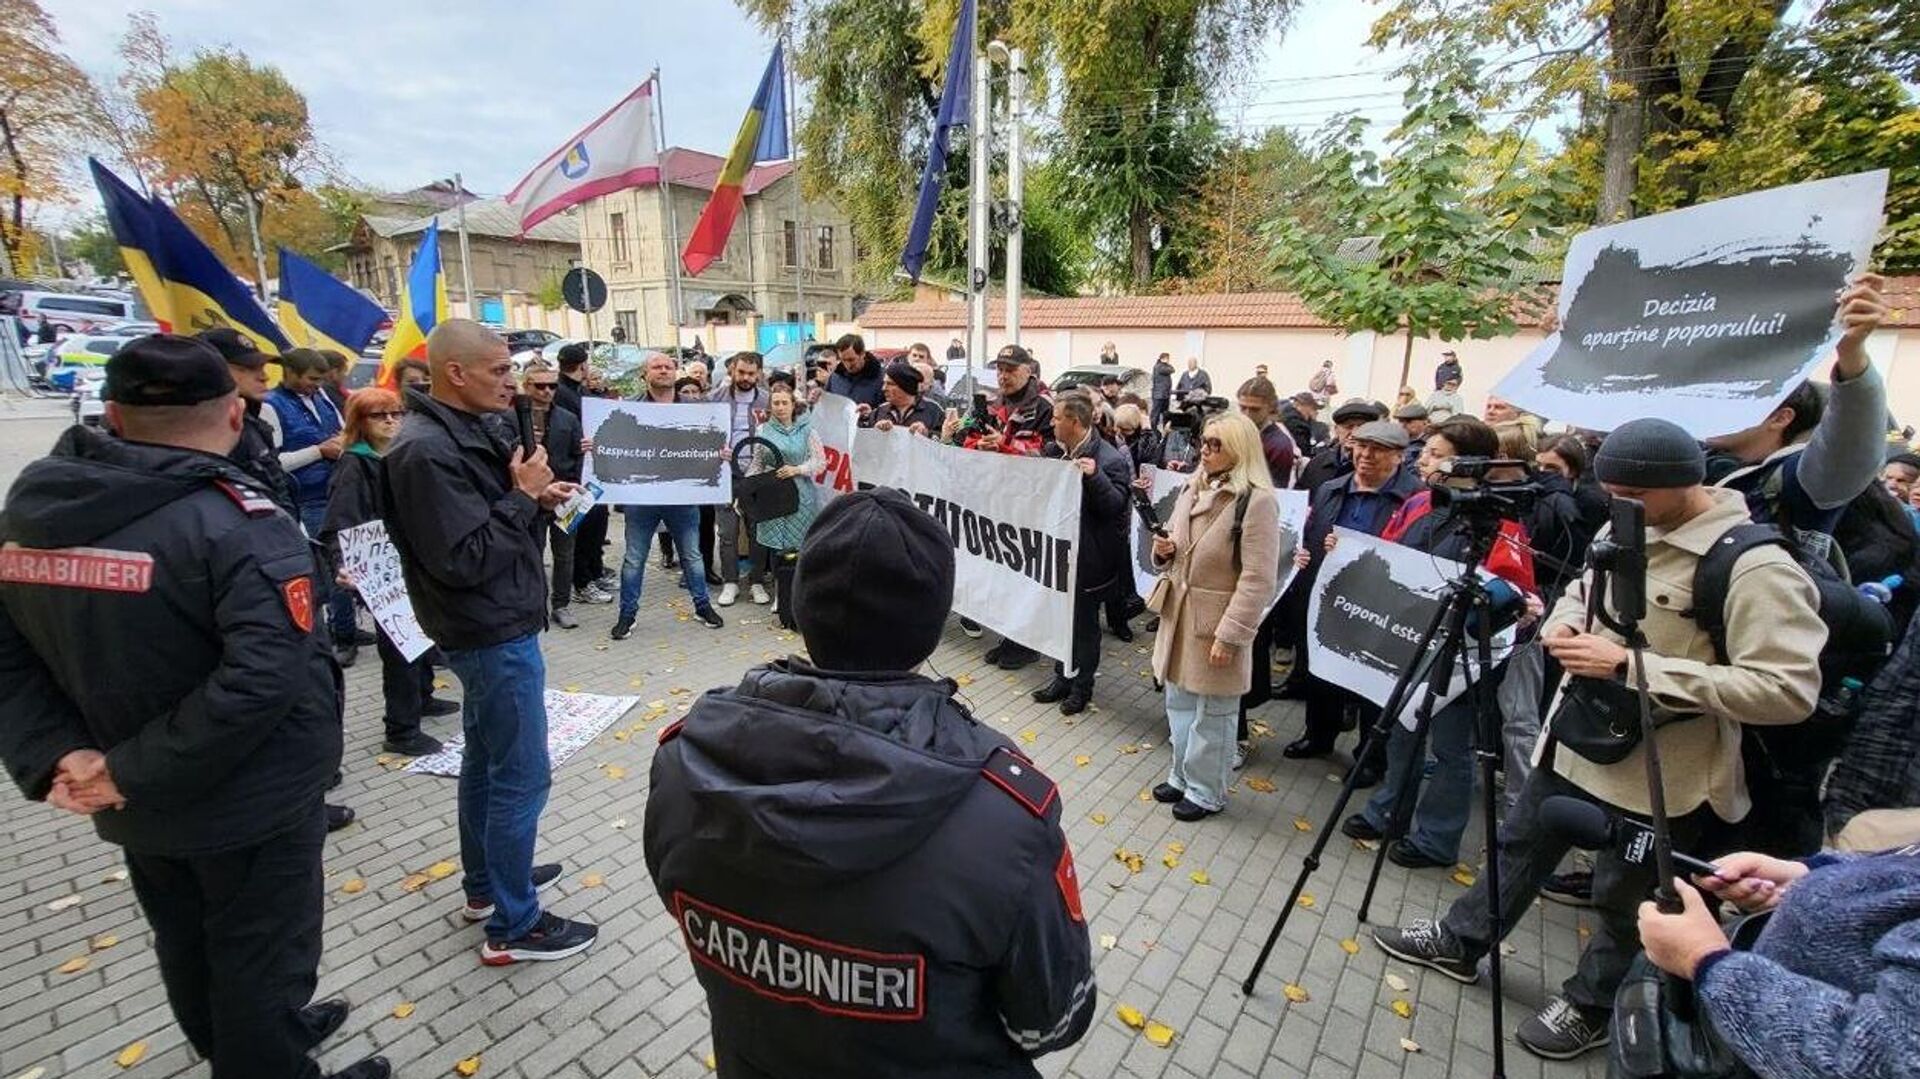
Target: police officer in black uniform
204,748
868,881
259,458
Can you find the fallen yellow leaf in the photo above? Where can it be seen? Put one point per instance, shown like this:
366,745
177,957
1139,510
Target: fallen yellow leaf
1366,844
621,736
131,1055
592,880
1129,749
1176,847
1296,993
1082,761
1350,946
1264,786
1463,878
571,689
1145,796
63,902
1302,824
1131,1016
1409,1045
441,683
712,1064
1098,818
963,680
1402,1009
1160,1034
414,882
72,966
1396,983
403,1009
1305,901
614,771
1170,860
1199,876
1028,736
1108,940
658,706
354,886
441,870
102,943
678,691
383,760
469,1066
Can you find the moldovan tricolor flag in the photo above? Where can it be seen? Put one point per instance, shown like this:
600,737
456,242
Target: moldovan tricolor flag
423,305
762,137
619,150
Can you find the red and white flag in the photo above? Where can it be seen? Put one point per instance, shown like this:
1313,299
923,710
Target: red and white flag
619,150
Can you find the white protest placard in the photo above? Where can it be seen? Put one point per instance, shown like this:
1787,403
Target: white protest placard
1708,316
368,559
573,720
1015,523
834,420
1368,617
1167,485
651,454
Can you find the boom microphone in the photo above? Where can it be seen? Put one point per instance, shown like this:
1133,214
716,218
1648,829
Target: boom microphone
1590,827
523,412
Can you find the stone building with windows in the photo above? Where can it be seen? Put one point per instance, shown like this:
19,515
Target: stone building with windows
787,259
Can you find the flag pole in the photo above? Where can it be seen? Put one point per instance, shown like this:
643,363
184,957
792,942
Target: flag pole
979,177
666,196
466,252
1016,182
793,149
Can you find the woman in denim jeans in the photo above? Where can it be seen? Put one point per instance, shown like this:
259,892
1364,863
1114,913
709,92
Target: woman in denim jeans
1221,560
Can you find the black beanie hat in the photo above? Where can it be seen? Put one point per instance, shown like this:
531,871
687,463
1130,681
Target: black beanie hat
1650,453
874,583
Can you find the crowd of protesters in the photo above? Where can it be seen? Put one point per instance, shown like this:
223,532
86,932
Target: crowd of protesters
1765,764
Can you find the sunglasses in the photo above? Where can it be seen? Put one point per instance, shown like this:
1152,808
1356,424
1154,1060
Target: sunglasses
1212,445
386,415
547,386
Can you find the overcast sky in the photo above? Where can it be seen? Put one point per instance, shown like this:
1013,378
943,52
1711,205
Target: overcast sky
405,91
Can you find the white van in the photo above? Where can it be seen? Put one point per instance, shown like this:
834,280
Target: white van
73,312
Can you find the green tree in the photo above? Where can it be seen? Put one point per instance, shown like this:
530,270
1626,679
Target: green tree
47,106
1453,253
94,242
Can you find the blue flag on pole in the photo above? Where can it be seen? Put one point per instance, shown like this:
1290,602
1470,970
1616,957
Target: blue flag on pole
319,311
956,104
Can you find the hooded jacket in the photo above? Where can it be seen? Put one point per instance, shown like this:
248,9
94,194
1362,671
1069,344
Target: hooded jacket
156,605
869,882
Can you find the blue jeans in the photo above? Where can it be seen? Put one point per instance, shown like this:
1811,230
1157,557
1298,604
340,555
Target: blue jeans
683,524
504,776
1201,730
1441,815
338,601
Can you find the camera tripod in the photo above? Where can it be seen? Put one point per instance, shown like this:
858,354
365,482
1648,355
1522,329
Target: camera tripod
1466,611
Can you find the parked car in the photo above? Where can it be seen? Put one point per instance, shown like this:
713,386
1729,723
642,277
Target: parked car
78,351
73,312
525,340
1132,379
89,407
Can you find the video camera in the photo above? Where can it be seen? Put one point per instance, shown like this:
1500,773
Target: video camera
1461,484
1193,411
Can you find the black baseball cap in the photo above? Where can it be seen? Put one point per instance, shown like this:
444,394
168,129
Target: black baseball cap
167,369
1013,355
237,348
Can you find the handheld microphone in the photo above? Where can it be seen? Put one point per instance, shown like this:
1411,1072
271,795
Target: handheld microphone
523,413
1508,604
1590,827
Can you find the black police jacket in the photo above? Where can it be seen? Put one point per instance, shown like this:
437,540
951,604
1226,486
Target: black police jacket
1104,500
256,456
157,606
562,441
464,532
868,882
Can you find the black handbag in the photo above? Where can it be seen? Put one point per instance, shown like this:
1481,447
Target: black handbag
1599,719
763,496
1655,1037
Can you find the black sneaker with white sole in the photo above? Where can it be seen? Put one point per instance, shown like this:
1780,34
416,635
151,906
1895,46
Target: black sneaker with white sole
552,937
480,909
710,616
1569,889
1428,944
1563,1030
622,629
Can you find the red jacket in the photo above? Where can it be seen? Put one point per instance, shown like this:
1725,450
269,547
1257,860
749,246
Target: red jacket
1511,558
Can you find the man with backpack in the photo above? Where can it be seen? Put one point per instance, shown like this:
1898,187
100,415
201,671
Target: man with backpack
1769,675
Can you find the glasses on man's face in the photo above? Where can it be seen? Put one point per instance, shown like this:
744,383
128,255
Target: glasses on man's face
543,387
387,416
1211,445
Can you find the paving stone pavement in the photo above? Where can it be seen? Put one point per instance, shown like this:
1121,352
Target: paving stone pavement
632,1007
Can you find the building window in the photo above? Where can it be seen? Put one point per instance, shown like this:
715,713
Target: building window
824,259
619,228
793,316
629,321
789,243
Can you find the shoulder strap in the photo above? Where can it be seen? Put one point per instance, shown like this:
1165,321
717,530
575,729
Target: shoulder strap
1017,776
1713,576
1239,525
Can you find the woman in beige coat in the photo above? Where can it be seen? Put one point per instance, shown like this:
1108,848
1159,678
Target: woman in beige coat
1212,609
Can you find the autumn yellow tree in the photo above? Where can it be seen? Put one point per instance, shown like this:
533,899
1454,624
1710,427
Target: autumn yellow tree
46,102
